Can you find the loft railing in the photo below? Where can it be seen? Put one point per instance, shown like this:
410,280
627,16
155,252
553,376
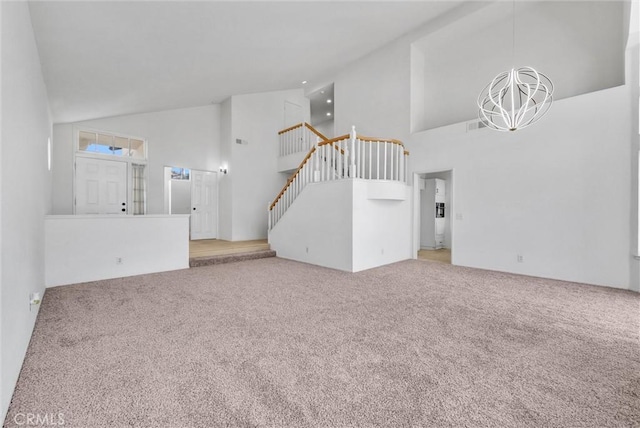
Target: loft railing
299,138
347,156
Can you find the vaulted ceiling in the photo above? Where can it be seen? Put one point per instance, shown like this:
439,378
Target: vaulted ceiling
104,59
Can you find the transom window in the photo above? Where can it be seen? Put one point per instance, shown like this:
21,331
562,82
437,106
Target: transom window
110,173
180,173
111,144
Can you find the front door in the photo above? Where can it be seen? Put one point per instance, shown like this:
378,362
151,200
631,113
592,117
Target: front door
101,186
204,205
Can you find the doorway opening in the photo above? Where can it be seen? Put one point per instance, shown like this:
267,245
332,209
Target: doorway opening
433,226
193,192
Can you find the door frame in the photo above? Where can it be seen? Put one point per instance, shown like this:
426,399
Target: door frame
100,156
217,184
415,236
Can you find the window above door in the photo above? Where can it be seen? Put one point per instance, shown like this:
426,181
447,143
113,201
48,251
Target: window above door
111,144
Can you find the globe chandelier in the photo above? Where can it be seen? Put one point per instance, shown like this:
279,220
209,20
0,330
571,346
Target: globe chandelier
516,98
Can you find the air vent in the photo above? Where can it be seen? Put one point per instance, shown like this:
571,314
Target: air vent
478,124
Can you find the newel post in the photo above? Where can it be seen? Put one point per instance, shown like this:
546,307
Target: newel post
352,153
268,216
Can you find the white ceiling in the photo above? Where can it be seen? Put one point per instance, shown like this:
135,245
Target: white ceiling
103,59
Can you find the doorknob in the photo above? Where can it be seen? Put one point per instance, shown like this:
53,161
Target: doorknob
123,210
124,203
194,208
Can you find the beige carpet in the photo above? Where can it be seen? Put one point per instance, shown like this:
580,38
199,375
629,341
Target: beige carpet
276,343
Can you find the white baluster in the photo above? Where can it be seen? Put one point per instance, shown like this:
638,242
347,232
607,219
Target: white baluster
323,162
347,158
303,136
384,163
398,161
352,153
332,157
392,146
340,163
370,145
360,173
377,160
334,160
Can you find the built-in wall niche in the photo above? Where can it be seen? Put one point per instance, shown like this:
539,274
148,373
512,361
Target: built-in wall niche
579,45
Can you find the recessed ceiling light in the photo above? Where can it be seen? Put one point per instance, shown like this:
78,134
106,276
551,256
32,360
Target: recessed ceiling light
329,113
329,101
304,82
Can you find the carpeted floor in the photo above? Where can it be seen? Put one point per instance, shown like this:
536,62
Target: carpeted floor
277,343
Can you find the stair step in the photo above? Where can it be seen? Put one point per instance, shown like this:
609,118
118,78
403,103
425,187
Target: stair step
229,258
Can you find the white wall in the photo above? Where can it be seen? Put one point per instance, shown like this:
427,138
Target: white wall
26,189
225,189
189,138
326,128
146,244
381,226
252,181
349,225
557,192
632,78
579,45
317,228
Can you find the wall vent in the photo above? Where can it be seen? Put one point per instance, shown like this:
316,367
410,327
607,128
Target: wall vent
476,124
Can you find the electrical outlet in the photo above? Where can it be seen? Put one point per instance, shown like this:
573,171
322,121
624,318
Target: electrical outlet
520,258
459,216
34,299
119,260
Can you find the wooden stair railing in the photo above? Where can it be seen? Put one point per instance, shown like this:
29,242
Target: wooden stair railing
346,156
298,138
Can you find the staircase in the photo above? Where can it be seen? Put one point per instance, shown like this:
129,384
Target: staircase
346,200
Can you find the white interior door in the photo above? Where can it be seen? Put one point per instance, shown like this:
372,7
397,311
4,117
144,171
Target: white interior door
204,205
101,186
